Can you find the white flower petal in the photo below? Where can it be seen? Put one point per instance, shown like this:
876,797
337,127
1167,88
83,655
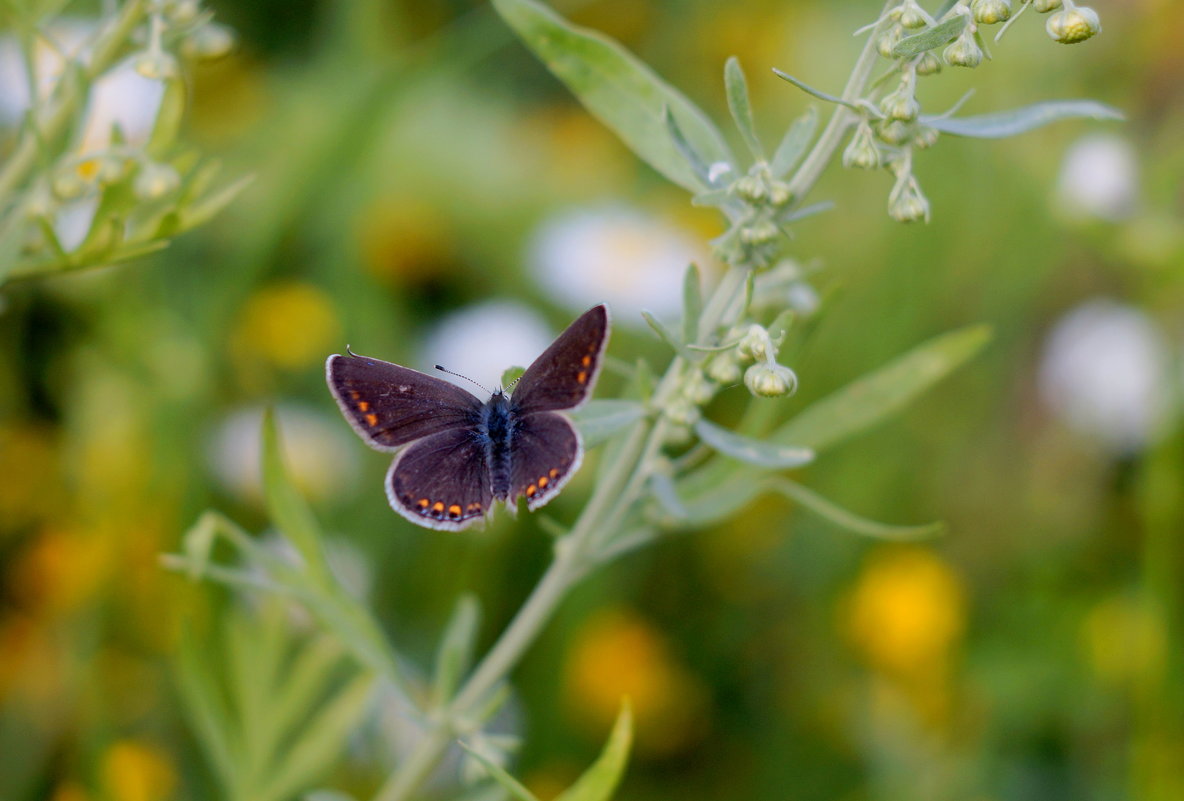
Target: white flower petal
482,341
1099,178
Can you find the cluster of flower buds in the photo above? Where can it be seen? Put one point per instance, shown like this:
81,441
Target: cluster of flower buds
185,26
764,377
754,238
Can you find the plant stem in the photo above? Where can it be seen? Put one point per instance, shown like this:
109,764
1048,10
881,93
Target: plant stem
842,118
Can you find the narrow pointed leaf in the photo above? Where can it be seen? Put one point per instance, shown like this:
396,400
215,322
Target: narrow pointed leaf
810,90
500,775
793,144
455,654
168,118
618,89
938,35
287,507
1021,120
205,208
206,708
740,106
701,168
752,451
597,420
662,332
600,781
868,400
666,495
849,520
692,304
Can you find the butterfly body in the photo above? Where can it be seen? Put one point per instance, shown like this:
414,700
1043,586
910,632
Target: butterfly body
457,454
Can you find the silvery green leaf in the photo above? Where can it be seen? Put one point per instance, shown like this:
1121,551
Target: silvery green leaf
938,35
793,144
666,495
1021,120
499,774
599,782
618,89
818,93
662,332
752,451
288,509
701,168
692,304
598,420
849,520
455,654
741,107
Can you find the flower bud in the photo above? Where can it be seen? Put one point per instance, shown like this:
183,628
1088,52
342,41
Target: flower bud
928,64
68,183
964,51
924,136
682,412
1074,25
894,132
912,16
156,65
760,232
862,152
888,40
210,41
182,12
988,12
1045,6
779,194
756,344
154,181
900,104
906,203
723,369
751,188
770,380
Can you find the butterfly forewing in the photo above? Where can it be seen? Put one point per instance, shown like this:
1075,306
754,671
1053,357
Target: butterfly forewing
544,454
442,481
390,405
563,376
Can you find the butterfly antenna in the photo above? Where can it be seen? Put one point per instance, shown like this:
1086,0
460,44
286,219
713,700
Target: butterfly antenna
443,369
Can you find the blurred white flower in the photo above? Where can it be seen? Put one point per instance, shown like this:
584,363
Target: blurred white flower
616,255
1104,372
482,341
63,40
318,450
1099,178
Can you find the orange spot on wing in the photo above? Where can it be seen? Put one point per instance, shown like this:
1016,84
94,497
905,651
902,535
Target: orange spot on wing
438,506
586,361
454,510
582,376
554,472
543,482
423,503
363,406
531,490
372,419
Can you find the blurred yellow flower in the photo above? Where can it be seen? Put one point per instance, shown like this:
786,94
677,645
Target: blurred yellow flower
906,612
137,771
70,791
615,654
60,571
31,486
404,241
1125,641
290,324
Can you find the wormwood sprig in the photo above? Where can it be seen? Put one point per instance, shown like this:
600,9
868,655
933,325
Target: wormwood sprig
81,187
664,467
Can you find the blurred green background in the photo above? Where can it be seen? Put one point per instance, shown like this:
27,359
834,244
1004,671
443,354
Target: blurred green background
406,155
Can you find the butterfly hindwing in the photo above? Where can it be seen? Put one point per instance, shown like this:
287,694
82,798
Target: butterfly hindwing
544,454
563,376
390,405
442,481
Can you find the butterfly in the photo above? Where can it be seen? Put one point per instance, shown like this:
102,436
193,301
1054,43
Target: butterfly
457,454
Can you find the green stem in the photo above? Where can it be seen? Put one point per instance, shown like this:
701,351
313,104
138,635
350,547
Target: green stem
842,118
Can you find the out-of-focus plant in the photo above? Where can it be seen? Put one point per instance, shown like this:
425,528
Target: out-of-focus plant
664,466
93,172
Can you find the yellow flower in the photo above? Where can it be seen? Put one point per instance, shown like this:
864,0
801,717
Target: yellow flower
404,241
137,771
616,654
906,612
291,324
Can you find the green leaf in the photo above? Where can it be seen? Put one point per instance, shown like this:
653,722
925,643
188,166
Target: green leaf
306,679
692,304
287,507
793,144
1021,120
500,775
740,106
662,332
600,781
510,375
168,118
702,168
848,520
818,93
598,420
618,89
938,35
206,707
666,495
868,400
205,208
751,451
455,654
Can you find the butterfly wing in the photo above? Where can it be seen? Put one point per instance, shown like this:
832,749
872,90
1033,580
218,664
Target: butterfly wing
563,376
544,453
442,481
390,405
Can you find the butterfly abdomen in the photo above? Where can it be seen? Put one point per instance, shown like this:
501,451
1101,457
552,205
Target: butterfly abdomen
498,428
